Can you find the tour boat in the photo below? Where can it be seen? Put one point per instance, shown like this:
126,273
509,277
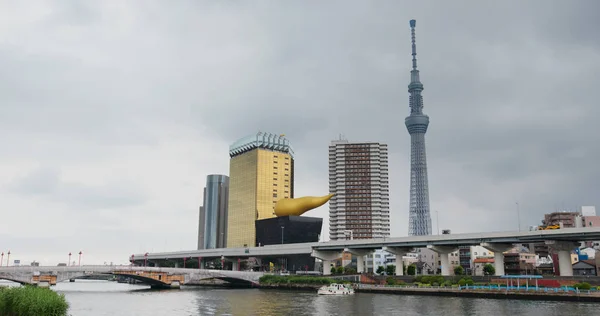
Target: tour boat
336,289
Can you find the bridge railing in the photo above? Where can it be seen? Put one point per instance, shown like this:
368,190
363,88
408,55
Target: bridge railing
85,268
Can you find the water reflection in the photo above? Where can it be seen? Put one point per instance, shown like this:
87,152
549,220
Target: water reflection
95,298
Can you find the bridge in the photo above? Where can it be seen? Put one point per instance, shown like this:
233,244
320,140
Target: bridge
563,241
153,276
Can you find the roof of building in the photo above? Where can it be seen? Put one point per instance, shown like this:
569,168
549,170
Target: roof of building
261,140
584,264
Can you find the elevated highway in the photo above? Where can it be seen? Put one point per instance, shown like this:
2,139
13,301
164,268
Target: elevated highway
563,241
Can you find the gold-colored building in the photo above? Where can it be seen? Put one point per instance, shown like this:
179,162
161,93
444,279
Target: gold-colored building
261,171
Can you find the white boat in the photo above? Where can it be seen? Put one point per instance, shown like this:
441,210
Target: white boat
336,289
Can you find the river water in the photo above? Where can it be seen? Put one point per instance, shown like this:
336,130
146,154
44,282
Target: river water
103,298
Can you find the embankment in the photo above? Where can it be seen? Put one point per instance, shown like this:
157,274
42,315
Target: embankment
489,294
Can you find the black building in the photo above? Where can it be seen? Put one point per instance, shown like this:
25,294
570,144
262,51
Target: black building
288,230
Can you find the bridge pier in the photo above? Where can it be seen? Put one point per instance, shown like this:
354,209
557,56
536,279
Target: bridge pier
498,250
563,249
398,252
360,257
443,251
327,257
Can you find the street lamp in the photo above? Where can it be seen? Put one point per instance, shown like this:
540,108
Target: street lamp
80,253
282,234
8,259
437,221
146,259
518,215
132,259
69,262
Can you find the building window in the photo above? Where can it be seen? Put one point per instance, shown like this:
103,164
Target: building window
274,195
275,179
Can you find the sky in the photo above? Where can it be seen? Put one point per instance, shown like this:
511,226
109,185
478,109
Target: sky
112,113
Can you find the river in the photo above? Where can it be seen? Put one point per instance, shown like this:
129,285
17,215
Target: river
103,298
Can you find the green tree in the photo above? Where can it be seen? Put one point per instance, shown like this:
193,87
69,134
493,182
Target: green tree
333,270
489,269
390,269
340,270
411,269
459,270
380,270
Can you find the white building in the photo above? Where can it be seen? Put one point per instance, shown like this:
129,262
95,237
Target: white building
588,210
358,176
480,252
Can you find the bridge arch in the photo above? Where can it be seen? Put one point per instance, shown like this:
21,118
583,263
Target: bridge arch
14,279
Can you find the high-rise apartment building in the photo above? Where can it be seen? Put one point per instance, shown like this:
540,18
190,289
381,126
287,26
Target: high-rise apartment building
212,232
261,171
358,176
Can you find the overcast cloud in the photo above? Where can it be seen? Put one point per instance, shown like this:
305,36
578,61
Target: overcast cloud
112,113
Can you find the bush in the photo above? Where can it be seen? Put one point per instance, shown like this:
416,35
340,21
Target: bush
465,281
30,300
294,279
340,270
411,269
582,286
350,271
447,283
390,280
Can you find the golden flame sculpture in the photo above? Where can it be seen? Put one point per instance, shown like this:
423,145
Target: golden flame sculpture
299,206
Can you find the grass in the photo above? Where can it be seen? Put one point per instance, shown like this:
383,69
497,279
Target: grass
32,301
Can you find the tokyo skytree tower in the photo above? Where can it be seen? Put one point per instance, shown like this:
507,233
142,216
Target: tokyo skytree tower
417,123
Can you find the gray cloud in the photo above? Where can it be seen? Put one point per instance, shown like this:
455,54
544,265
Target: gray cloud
135,104
47,182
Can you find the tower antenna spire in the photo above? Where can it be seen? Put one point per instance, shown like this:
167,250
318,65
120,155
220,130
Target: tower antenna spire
413,24
417,123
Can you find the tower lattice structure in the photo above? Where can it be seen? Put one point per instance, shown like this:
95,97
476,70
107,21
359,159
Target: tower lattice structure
417,123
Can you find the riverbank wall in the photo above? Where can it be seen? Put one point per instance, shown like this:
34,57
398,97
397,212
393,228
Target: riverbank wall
290,287
583,296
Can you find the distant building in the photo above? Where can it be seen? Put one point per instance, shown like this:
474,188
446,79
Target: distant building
358,176
567,219
479,264
585,268
261,171
588,210
212,232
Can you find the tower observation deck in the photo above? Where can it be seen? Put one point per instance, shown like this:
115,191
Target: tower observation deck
417,123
